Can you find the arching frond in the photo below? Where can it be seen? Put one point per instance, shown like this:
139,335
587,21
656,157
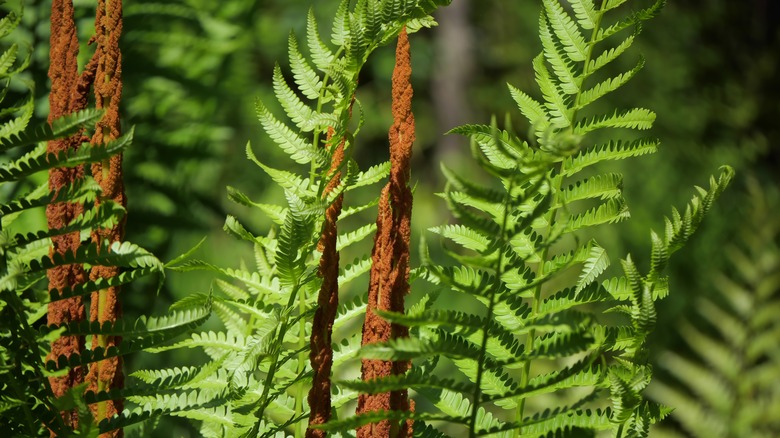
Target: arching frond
519,257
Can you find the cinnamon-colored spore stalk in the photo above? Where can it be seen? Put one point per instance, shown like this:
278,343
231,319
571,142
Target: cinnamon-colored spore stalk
68,94
389,277
104,305
321,355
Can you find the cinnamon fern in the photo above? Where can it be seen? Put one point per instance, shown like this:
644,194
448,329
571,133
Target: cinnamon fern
545,323
262,356
28,407
524,329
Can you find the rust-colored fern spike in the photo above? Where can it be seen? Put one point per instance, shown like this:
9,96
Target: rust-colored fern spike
321,354
68,94
104,305
389,278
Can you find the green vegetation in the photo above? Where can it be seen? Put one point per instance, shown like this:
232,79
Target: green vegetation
502,284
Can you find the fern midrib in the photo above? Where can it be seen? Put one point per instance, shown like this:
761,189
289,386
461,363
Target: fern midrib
320,102
477,398
275,354
557,182
586,65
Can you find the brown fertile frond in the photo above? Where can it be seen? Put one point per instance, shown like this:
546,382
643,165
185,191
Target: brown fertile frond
389,277
65,98
105,306
321,354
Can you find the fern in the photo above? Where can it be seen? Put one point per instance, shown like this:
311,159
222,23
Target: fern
28,406
262,356
515,236
724,387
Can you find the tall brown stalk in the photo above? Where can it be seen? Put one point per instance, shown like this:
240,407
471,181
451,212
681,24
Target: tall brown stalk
321,355
68,94
389,278
104,305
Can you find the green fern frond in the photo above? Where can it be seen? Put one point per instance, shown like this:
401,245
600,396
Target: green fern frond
529,107
23,114
305,118
340,30
346,239
106,214
307,80
352,271
83,190
163,405
142,327
403,381
61,127
224,342
612,211
732,337
116,254
178,324
637,118
412,348
561,418
603,88
370,176
614,150
508,250
299,149
566,30
39,160
631,21
602,186
257,284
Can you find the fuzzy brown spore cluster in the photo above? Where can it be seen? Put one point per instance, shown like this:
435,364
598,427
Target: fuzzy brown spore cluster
321,355
68,94
104,305
389,277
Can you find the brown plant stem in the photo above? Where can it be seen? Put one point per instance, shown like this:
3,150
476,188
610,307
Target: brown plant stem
104,305
68,94
389,277
321,354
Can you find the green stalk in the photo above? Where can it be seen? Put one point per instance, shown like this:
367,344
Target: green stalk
299,430
476,400
320,100
275,353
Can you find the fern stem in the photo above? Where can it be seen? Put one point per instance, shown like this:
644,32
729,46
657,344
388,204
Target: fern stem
299,394
588,56
476,401
275,353
537,298
320,101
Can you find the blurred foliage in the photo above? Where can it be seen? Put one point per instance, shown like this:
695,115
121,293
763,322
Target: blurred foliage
193,69
725,383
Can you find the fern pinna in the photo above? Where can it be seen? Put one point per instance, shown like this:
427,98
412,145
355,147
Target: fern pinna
519,240
263,355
